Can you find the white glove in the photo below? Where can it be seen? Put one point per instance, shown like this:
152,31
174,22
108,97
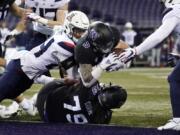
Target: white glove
37,18
127,55
14,32
110,60
33,16
119,65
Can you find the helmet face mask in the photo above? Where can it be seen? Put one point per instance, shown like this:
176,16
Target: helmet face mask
75,24
112,97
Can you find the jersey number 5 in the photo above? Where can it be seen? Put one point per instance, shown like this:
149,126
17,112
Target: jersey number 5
76,118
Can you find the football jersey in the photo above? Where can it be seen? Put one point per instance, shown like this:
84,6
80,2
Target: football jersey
85,53
58,49
174,11
76,104
4,8
46,9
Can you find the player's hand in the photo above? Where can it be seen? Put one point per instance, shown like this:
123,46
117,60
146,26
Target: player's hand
127,55
173,58
33,16
116,67
69,81
111,60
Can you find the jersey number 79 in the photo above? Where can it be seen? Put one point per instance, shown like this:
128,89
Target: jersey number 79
75,118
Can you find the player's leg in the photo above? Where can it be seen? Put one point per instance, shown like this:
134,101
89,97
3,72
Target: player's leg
26,104
13,82
174,82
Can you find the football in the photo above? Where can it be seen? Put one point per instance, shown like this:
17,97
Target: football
118,51
120,47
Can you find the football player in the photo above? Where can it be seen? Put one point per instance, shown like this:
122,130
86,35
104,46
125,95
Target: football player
170,23
58,102
46,14
10,6
27,67
95,50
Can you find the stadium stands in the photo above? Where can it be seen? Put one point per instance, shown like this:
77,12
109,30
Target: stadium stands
143,13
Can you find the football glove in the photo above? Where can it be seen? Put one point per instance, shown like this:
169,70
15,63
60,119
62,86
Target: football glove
37,18
111,60
173,58
118,66
33,16
127,55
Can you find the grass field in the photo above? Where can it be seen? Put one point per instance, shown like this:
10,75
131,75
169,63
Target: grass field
148,103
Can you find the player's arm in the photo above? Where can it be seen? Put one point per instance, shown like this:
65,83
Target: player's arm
60,15
20,12
158,36
85,71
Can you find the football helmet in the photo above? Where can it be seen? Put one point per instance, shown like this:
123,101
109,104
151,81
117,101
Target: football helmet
169,3
111,97
103,37
75,21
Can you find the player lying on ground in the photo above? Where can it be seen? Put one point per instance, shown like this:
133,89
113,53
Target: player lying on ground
59,102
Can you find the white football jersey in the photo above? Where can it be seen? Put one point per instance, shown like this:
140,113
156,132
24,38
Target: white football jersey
57,49
175,12
46,9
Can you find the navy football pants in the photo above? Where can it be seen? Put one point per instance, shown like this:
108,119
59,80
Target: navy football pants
13,81
174,82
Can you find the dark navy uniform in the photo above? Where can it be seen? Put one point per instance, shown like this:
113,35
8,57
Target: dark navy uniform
85,53
4,8
71,104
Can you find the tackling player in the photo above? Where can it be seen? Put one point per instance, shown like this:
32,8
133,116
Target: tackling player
170,23
58,102
27,67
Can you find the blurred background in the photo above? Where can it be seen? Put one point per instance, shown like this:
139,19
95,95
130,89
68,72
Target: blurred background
136,19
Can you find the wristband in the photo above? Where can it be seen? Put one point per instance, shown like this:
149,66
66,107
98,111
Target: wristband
43,20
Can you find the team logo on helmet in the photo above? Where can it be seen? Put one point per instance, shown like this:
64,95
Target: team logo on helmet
93,35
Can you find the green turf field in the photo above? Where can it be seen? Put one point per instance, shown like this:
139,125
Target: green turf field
148,103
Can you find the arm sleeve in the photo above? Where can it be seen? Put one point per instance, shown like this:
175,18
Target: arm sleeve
43,79
158,36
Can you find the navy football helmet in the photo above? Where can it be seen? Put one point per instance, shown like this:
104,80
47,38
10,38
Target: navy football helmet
112,97
103,37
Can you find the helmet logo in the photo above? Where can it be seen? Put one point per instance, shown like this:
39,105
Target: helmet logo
69,18
93,35
86,45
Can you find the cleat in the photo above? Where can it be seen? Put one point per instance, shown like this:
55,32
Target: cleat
171,125
10,111
31,109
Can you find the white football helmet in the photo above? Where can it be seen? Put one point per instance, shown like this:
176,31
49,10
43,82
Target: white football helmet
75,19
169,3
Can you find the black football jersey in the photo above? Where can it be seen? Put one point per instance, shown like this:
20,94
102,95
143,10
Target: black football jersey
86,54
76,104
4,8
